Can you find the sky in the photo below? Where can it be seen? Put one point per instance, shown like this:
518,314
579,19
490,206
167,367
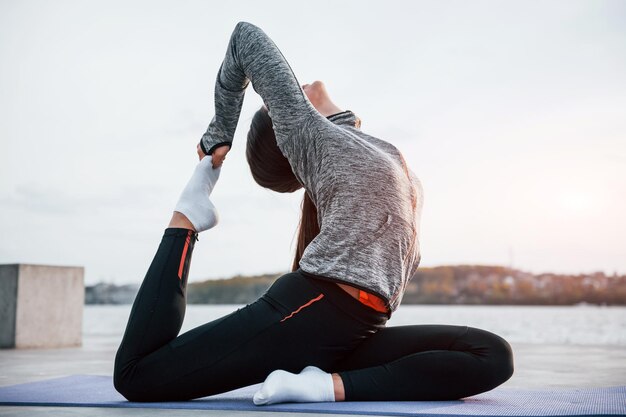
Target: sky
511,113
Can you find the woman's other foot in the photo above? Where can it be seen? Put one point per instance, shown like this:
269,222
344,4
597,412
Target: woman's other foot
310,385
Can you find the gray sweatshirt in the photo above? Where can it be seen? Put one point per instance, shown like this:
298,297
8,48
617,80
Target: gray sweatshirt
368,201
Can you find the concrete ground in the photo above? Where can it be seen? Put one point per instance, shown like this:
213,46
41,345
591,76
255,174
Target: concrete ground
535,366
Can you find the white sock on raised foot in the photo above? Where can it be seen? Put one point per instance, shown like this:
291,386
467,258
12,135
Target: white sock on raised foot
310,385
194,201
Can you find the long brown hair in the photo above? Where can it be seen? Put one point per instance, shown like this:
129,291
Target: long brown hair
270,169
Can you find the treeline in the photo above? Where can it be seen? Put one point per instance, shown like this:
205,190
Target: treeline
458,284
475,284
236,290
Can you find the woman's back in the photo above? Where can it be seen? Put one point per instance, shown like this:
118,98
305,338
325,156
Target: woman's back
369,207
368,201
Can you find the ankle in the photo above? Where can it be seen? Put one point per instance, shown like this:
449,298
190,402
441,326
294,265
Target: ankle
179,220
338,388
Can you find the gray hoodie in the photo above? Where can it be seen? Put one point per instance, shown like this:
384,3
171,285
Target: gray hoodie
368,201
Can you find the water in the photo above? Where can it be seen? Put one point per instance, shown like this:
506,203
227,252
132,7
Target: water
103,326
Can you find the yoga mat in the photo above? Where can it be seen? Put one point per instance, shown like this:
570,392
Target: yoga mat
98,391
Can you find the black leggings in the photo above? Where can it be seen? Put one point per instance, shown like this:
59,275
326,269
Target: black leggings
299,321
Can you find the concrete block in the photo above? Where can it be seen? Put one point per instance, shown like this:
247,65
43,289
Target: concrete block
41,306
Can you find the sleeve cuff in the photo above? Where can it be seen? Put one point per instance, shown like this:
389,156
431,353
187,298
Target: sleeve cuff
203,147
214,147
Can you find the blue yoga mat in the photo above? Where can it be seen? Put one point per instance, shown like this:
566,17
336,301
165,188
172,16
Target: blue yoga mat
98,391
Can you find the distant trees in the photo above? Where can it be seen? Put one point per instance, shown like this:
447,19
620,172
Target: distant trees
237,290
478,284
457,284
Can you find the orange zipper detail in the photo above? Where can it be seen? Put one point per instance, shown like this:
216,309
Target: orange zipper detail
182,258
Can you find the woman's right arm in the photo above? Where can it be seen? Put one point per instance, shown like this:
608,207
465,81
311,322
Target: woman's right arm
253,57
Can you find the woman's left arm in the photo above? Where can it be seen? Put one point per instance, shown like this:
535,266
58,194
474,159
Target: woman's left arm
253,57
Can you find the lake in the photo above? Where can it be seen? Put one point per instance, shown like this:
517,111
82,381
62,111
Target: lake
553,325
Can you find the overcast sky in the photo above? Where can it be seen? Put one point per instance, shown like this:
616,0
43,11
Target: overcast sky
512,114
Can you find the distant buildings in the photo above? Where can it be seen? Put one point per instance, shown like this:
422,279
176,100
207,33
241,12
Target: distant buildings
110,294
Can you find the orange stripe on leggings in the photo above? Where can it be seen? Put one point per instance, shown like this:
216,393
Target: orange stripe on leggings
319,297
182,258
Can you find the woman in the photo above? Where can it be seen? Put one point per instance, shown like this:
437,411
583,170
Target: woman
318,333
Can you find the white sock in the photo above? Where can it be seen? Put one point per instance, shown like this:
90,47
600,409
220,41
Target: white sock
194,201
310,385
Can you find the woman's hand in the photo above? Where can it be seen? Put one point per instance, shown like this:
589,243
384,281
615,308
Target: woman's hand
219,155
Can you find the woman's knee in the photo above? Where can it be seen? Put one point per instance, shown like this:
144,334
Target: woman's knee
495,351
131,391
125,384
